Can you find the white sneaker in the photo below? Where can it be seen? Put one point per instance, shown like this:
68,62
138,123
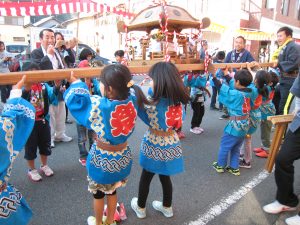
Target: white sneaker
140,212
275,208
295,220
52,144
47,171
34,175
167,211
195,130
91,220
63,138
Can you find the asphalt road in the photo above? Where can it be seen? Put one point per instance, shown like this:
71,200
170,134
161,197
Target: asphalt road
64,200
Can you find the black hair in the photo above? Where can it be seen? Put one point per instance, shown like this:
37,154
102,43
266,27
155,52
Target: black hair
120,53
2,43
168,84
220,55
244,77
263,78
85,53
288,31
274,79
42,32
117,76
31,66
59,33
244,40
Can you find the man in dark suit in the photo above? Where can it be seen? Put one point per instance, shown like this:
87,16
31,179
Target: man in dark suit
48,58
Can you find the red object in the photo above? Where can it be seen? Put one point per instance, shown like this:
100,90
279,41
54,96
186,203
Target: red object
174,117
257,150
123,119
246,106
263,154
180,134
83,63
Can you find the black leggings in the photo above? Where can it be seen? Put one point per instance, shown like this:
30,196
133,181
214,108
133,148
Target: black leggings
144,185
100,194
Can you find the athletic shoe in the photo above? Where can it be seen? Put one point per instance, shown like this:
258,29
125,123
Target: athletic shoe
276,207
257,150
46,170
195,130
263,154
52,144
167,211
235,172
63,138
218,168
82,162
140,212
68,121
224,117
34,175
295,220
200,129
244,164
180,134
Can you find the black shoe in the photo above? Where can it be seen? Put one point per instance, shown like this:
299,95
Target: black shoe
224,117
68,121
214,108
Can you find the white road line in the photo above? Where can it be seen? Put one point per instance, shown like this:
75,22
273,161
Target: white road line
219,207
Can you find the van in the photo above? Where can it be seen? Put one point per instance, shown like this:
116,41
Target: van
15,48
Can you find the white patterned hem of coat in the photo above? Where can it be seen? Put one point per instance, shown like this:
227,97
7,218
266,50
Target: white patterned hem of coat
93,187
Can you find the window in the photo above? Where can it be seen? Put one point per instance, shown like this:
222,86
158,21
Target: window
285,7
270,4
14,20
22,39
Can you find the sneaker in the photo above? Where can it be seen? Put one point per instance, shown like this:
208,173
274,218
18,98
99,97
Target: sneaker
257,150
34,175
180,134
200,129
82,162
263,154
91,220
235,172
195,130
52,144
275,208
224,117
68,121
295,220
64,138
122,211
140,212
167,211
244,164
218,168
46,170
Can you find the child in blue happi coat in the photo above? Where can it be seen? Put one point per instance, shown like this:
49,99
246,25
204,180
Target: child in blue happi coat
112,117
236,97
161,151
16,123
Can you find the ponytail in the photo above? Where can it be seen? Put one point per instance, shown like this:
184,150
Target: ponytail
141,98
262,78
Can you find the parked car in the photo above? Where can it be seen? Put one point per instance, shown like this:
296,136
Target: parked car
20,61
15,48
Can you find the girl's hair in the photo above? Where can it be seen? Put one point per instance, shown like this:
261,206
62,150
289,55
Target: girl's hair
244,77
117,76
274,79
59,33
168,84
31,66
263,78
85,53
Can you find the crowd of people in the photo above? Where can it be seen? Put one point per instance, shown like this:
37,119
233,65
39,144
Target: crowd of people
106,109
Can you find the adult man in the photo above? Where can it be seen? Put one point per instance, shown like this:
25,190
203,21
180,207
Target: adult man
48,58
238,55
287,59
286,199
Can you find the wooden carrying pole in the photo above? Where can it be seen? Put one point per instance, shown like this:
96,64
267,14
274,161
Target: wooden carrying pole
281,122
48,75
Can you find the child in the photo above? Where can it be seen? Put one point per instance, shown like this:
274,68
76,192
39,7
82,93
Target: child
259,91
82,132
197,83
267,109
119,55
40,95
236,97
113,118
16,123
161,151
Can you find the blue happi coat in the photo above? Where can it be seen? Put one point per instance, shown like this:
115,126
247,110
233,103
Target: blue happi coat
255,114
267,107
196,82
16,123
162,154
113,121
238,104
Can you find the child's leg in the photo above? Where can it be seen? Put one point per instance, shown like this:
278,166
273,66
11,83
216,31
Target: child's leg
213,98
201,113
248,148
265,133
81,138
99,206
144,185
112,200
44,142
235,151
31,147
167,190
226,145
196,114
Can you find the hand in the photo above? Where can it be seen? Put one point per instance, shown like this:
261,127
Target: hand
20,83
59,43
51,50
67,44
275,64
72,78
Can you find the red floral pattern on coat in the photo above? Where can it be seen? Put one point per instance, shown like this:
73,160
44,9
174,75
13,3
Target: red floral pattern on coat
246,106
257,102
271,95
174,117
123,119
